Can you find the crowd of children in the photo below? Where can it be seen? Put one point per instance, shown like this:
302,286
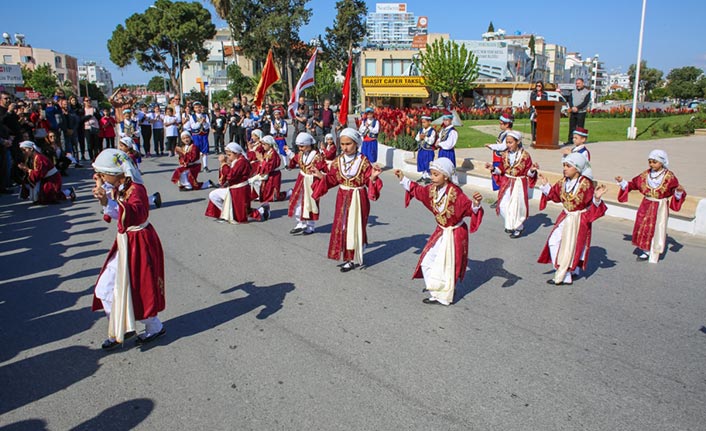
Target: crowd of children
128,289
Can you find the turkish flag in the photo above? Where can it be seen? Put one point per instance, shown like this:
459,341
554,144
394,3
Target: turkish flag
343,108
270,75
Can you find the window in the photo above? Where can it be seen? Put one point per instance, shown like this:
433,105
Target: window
60,76
386,67
7,59
57,61
370,67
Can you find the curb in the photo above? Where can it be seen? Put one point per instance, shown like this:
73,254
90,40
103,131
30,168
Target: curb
396,159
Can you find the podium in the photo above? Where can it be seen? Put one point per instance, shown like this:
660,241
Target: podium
548,114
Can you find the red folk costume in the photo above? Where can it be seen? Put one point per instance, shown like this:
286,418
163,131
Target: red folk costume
130,286
306,183
568,248
234,194
268,170
43,181
514,179
189,163
650,231
449,206
348,234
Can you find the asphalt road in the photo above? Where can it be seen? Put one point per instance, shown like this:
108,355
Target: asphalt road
265,333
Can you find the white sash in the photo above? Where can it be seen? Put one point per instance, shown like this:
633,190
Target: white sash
659,239
441,279
122,315
516,212
51,172
309,204
567,248
354,225
227,212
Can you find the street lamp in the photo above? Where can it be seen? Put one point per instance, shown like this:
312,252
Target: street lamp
595,79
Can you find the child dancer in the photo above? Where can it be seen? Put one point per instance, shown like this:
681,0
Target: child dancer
506,122
268,175
369,129
278,128
200,125
328,148
662,192
186,175
570,241
42,181
231,202
126,145
359,183
426,137
447,139
444,258
515,176
130,286
302,205
580,137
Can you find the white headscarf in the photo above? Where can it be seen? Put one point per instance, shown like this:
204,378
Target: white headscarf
328,136
305,138
581,163
30,144
515,134
660,156
185,133
235,148
127,141
269,140
352,134
443,165
257,132
115,162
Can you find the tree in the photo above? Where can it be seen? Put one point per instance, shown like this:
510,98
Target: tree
649,78
41,79
223,97
94,92
200,96
491,28
163,38
326,85
531,46
683,83
239,83
259,25
448,67
159,84
348,31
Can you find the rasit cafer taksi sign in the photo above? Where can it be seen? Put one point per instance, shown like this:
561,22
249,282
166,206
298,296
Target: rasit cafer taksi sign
393,81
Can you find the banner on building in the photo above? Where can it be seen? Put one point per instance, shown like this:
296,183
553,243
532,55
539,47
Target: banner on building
393,81
11,74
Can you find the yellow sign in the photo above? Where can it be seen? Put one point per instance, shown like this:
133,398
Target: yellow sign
393,81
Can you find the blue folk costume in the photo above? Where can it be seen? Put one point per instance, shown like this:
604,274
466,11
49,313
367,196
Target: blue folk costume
278,129
425,150
370,129
447,141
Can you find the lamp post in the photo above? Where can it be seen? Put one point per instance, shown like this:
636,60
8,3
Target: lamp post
595,80
632,130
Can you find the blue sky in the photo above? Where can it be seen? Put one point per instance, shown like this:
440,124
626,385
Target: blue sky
608,28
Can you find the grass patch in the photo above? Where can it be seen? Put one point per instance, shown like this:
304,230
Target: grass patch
601,129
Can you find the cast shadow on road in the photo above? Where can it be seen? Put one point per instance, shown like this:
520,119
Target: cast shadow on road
34,378
124,416
597,258
167,204
533,223
480,272
381,251
270,298
671,245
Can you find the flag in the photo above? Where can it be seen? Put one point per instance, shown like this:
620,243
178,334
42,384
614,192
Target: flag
270,75
306,81
343,107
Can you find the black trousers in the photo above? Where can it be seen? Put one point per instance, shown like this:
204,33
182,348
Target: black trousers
576,119
158,136
146,132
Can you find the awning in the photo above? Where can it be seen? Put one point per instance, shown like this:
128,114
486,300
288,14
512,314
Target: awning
419,92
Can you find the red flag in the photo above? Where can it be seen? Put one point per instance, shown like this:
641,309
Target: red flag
306,81
343,108
270,75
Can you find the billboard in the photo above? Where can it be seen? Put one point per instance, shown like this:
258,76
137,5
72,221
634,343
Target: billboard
420,33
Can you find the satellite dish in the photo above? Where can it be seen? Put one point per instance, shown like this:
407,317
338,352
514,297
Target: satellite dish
6,35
